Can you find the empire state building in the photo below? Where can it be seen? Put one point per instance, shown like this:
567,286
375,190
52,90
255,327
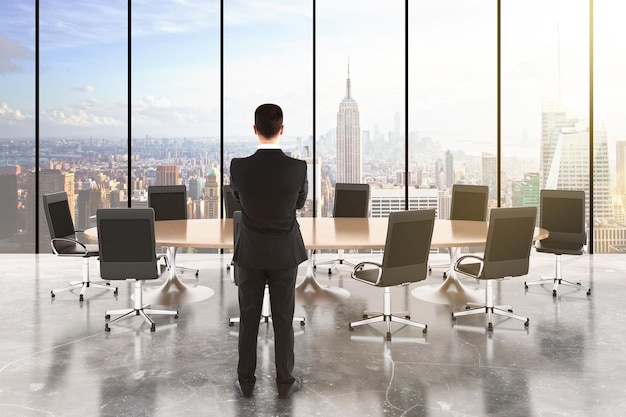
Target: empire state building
348,138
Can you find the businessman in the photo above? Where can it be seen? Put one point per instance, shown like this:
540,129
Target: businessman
270,187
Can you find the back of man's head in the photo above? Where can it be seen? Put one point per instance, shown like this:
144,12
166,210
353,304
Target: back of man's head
268,119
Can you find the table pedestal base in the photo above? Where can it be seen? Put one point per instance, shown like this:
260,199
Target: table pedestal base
310,291
450,292
175,293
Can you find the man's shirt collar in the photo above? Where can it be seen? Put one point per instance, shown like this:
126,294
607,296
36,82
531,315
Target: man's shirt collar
269,146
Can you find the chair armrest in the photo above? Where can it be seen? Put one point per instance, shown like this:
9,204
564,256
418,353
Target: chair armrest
361,265
65,239
471,257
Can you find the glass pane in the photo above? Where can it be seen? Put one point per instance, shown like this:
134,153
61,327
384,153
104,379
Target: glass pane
609,128
176,101
83,113
360,106
268,58
17,125
545,100
452,100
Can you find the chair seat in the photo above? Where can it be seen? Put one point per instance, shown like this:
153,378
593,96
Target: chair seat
369,276
560,248
470,268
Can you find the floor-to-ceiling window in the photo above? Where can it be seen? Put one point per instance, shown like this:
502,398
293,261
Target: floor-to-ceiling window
360,100
17,125
83,106
268,59
452,100
609,127
360,71
176,101
545,100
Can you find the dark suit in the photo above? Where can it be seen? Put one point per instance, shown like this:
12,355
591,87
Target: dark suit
270,186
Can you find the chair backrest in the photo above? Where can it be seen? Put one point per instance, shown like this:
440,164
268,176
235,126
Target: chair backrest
168,201
469,202
126,243
231,204
405,258
59,218
509,240
562,213
351,200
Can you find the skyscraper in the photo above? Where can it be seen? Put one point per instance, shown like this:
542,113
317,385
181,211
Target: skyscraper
490,174
349,149
167,175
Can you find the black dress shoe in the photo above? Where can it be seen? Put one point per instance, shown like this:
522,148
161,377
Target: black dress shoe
295,386
245,393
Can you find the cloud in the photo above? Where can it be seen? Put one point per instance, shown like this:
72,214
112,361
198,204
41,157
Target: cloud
86,89
10,53
9,116
150,112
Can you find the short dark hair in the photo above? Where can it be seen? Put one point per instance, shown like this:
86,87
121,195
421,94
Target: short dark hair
268,119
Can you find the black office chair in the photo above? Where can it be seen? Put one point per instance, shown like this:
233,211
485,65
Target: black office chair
507,254
266,311
351,200
231,205
562,213
169,203
64,242
405,260
469,202
128,252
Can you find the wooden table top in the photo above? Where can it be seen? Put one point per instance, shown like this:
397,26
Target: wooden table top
320,233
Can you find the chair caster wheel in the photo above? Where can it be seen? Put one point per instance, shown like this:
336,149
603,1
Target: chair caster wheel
107,316
365,316
589,292
490,327
407,317
350,328
554,293
453,317
116,291
425,329
175,316
52,294
302,323
510,310
80,298
389,337
525,285
445,275
527,323
330,271
153,328
107,328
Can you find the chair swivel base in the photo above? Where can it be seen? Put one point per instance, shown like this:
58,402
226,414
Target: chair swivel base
129,312
83,285
506,311
556,282
402,317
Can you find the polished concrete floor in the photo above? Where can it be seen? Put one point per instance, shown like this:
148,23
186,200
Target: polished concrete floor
57,360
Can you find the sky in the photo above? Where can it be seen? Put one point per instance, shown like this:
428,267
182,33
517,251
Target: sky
269,58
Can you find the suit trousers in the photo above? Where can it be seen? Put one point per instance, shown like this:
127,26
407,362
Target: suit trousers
251,287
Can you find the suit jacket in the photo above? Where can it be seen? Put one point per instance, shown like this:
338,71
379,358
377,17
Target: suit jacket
270,186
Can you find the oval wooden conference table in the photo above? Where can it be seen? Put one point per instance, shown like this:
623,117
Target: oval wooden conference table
319,233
